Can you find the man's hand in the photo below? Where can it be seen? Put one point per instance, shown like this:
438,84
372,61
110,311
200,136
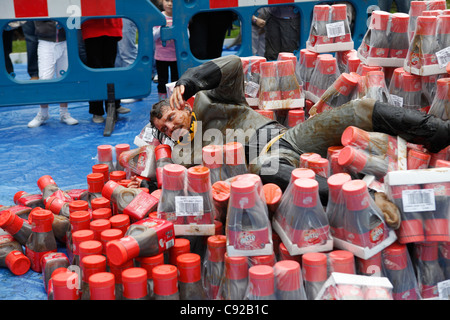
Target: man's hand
176,99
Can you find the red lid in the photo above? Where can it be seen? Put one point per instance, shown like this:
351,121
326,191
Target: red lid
101,213
165,280
327,65
18,195
426,25
221,191
304,157
104,153
163,151
81,236
335,183
397,77
99,225
417,7
285,68
411,82
342,261
103,169
212,156
443,24
365,69
173,177
262,280
80,220
134,282
17,262
111,234
216,248
92,264
305,193
41,220
102,286
180,246
321,12
345,83
117,175
375,79
356,195
90,247
333,150
119,220
310,59
121,148
108,189
400,22
236,268
353,63
100,202
54,204
189,266
95,182
318,165
339,12
443,88
121,250
379,20
350,156
305,173
78,205
418,159
243,194
272,193
234,153
395,257
65,285
314,266
270,114
198,179
268,260
288,276
148,263
442,164
295,116
268,69
44,181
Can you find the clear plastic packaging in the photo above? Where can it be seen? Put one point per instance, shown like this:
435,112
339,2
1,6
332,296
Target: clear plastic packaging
140,161
213,265
50,262
325,73
234,283
189,280
174,181
252,77
163,156
398,268
261,283
335,209
314,267
49,188
289,281
376,87
440,106
305,67
429,272
417,9
358,161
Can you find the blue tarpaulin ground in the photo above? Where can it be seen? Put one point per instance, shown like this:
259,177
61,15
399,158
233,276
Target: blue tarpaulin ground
67,153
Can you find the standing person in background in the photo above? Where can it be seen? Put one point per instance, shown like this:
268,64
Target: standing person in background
165,56
282,31
402,5
259,32
100,40
32,44
52,60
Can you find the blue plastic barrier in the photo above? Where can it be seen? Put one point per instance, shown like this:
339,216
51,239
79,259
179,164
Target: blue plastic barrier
81,83
184,10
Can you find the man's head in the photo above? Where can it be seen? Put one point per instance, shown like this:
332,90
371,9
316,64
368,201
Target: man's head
169,120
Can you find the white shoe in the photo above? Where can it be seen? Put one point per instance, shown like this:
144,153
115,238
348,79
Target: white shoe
122,110
67,119
98,119
37,121
129,100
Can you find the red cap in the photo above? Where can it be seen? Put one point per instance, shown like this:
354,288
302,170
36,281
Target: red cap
272,193
163,151
428,251
321,12
180,246
295,116
268,69
134,282
212,156
102,286
98,226
270,114
92,264
356,195
302,173
365,69
104,153
65,285
443,88
120,221
236,268
80,220
221,191
242,194
443,24
314,266
418,159
310,59
17,262
95,182
397,77
412,82
350,156
345,83
234,153
342,261
165,280
400,22
334,150
442,164
417,7
41,220
101,213
148,263
111,234
339,12
353,63
262,280
288,276
90,247
379,20
198,179
18,195
103,169
327,65
173,177
100,202
305,193
426,25
109,188
335,183
375,79
121,250
304,157
189,266
78,205
54,204
121,148
319,165
285,68
216,248
117,175
395,257
44,181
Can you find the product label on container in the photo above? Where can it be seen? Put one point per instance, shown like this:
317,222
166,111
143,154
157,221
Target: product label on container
251,89
188,206
335,29
248,240
25,201
141,205
397,100
35,258
368,239
310,237
418,200
164,230
443,57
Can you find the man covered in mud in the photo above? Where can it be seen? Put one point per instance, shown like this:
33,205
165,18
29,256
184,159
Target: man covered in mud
220,114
